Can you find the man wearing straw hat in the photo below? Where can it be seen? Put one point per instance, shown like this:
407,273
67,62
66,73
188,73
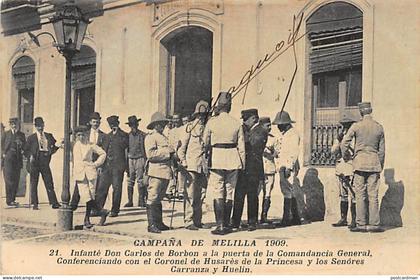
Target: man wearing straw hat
368,162
192,158
136,162
225,137
286,148
160,156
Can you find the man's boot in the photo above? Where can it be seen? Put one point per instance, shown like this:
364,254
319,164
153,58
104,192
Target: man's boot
353,215
344,206
130,190
142,196
264,212
151,212
295,213
159,218
219,205
286,221
226,216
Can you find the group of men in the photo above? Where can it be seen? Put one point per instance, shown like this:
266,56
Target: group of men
212,151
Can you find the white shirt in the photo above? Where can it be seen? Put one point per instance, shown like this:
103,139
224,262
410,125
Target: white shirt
42,141
93,137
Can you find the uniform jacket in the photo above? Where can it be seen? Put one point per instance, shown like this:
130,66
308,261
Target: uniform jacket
12,146
257,138
192,150
342,167
369,145
158,154
115,147
268,156
286,147
224,129
83,163
32,146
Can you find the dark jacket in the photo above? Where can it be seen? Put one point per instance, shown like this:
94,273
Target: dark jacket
100,142
12,146
254,147
32,146
116,147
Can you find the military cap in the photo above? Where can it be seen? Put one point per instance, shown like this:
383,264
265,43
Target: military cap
38,121
13,120
365,107
176,117
265,120
245,114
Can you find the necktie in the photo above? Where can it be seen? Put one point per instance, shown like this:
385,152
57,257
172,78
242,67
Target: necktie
43,142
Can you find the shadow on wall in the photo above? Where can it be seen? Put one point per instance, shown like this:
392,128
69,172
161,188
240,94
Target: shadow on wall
310,197
392,202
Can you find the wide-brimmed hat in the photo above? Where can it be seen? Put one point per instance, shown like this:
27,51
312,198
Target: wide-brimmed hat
202,107
38,121
133,120
157,117
245,114
113,120
95,116
347,119
176,117
282,118
13,120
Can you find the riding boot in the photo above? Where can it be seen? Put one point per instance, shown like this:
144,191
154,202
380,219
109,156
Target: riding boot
87,223
295,213
219,205
142,196
344,206
151,219
159,218
286,221
353,215
264,212
226,216
130,191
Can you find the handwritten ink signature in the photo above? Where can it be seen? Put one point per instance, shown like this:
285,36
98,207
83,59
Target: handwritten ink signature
280,48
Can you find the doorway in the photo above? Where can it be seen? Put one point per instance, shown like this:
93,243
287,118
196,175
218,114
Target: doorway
186,58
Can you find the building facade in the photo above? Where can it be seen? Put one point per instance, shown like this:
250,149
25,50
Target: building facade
142,56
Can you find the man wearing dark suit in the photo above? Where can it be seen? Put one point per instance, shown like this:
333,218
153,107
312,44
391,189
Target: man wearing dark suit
115,146
39,148
249,179
96,136
12,143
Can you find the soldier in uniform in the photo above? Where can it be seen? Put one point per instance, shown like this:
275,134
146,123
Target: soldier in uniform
192,158
269,170
12,144
39,148
368,162
224,136
160,156
115,146
344,173
249,180
136,162
286,149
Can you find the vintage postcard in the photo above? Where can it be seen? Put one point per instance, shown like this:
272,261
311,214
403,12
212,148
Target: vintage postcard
198,137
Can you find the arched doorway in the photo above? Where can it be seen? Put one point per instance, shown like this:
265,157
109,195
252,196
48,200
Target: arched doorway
335,33
185,69
83,85
23,72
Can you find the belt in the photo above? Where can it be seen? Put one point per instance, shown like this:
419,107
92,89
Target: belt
225,145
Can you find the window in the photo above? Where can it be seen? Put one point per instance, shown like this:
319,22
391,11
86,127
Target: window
335,33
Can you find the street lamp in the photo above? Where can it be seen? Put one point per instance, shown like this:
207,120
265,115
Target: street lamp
69,27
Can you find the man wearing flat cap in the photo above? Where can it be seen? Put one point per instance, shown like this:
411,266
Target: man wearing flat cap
115,146
249,179
368,162
136,162
95,136
39,148
286,149
224,137
160,156
12,144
